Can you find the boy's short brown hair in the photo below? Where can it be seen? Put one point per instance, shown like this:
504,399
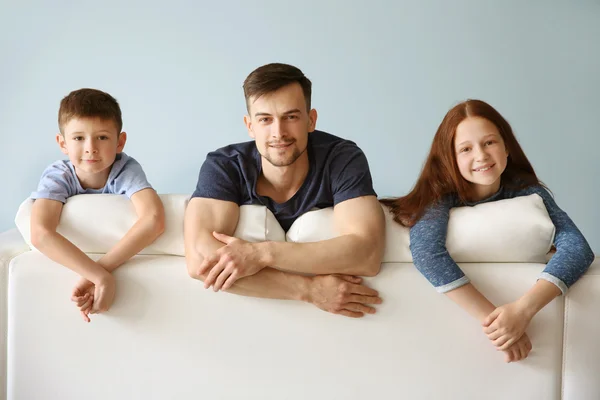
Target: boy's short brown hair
89,103
271,77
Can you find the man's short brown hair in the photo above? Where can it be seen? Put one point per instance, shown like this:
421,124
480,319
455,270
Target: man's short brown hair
89,103
272,77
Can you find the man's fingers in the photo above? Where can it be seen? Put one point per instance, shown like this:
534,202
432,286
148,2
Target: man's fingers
207,263
350,278
230,281
360,289
226,273
351,314
357,307
356,298
214,273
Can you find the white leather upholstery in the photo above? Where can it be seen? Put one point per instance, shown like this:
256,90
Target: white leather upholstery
581,370
514,230
166,337
11,245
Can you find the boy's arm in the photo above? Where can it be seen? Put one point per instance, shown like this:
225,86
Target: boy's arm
357,251
149,225
45,215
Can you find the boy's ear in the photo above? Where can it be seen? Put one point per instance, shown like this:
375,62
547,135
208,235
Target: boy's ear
248,123
60,139
121,141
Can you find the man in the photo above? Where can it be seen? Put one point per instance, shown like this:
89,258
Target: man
291,168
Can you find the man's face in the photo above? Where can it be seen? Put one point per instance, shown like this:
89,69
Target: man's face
280,123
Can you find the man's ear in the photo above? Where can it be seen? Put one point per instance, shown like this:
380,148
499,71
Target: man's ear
60,139
248,123
122,138
312,120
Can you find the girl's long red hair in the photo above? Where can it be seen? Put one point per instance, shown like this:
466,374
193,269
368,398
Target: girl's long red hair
440,175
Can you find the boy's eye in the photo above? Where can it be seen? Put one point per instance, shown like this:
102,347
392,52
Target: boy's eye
78,138
103,137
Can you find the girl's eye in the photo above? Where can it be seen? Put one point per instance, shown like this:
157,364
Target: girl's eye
489,142
464,149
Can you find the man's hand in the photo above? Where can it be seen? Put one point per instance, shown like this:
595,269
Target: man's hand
83,296
235,260
506,324
342,294
518,351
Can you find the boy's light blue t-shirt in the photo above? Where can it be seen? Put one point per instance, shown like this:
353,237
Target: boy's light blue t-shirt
59,181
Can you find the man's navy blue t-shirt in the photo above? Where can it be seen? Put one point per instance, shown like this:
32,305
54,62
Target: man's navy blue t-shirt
338,171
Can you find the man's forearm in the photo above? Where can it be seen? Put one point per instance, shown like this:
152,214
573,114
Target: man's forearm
141,234
348,254
267,283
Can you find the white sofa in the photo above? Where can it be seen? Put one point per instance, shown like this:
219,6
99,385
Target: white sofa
166,337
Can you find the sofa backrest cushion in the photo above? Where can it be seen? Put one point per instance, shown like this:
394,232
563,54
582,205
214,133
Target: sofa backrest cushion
513,230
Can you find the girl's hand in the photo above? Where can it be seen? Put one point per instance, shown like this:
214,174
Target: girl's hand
518,351
506,324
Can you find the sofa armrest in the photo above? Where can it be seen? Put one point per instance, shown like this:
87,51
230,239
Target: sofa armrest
11,245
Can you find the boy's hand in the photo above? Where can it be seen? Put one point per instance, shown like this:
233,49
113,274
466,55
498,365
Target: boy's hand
518,351
104,294
506,324
83,296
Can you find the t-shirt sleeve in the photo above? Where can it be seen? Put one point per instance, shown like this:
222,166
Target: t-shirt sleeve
218,179
56,183
350,173
130,179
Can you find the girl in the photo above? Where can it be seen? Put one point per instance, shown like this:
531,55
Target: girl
475,158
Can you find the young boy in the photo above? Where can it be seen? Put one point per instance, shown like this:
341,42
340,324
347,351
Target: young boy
90,135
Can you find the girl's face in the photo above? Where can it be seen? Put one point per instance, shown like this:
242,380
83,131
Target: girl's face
480,154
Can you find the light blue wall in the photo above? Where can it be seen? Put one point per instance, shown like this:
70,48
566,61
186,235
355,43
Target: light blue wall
384,74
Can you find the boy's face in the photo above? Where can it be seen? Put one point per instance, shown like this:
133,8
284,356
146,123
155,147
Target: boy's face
92,145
